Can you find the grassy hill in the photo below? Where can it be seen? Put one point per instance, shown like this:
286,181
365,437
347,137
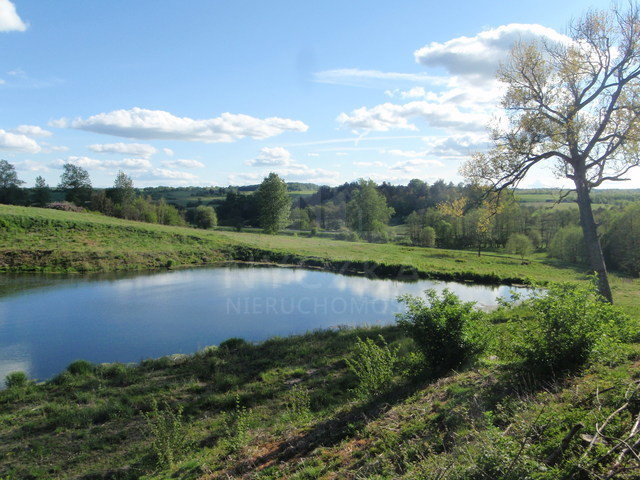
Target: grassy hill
287,408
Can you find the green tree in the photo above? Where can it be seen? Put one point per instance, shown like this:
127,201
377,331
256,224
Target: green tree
568,245
75,180
9,183
123,191
519,244
205,217
367,212
274,204
41,192
576,102
622,241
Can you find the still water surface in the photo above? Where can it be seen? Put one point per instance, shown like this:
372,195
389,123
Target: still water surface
48,321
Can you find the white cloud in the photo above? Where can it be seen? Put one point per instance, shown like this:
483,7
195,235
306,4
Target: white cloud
2,82
59,123
415,92
293,173
480,55
278,160
405,153
341,154
168,152
415,165
313,154
31,166
364,78
369,164
276,156
183,163
20,143
87,162
10,21
456,146
142,150
166,174
58,148
390,116
31,131
157,124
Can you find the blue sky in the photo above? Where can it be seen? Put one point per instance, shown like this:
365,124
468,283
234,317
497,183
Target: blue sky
218,93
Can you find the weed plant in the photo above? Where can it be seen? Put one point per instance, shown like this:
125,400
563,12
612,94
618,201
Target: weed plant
373,365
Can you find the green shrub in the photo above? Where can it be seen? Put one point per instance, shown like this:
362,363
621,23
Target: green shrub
80,367
572,323
373,365
297,403
16,380
169,439
233,344
448,331
236,426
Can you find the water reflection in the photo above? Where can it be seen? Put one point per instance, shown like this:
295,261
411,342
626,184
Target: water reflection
54,320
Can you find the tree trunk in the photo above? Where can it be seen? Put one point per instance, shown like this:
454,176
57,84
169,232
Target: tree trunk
591,240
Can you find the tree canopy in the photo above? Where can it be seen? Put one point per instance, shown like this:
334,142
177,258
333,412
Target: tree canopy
9,183
367,212
75,180
274,203
576,102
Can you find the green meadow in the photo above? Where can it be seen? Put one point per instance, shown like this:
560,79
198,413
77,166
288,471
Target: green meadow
294,407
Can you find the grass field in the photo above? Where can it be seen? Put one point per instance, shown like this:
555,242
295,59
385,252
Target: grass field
286,408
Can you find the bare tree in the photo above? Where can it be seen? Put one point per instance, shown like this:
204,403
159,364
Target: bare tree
576,102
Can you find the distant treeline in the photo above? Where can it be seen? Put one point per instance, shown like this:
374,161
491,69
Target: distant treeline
440,214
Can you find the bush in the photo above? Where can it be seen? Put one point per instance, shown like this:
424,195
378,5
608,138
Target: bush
519,244
373,365
169,441
448,331
16,380
205,217
572,324
80,367
347,235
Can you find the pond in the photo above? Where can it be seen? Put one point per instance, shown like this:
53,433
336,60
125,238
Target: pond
48,321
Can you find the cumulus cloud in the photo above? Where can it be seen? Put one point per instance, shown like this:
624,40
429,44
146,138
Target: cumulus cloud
292,173
390,116
168,152
279,160
142,150
481,54
271,156
359,78
59,123
31,166
87,162
415,92
31,131
183,163
369,164
141,123
415,165
15,142
456,146
167,174
10,21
